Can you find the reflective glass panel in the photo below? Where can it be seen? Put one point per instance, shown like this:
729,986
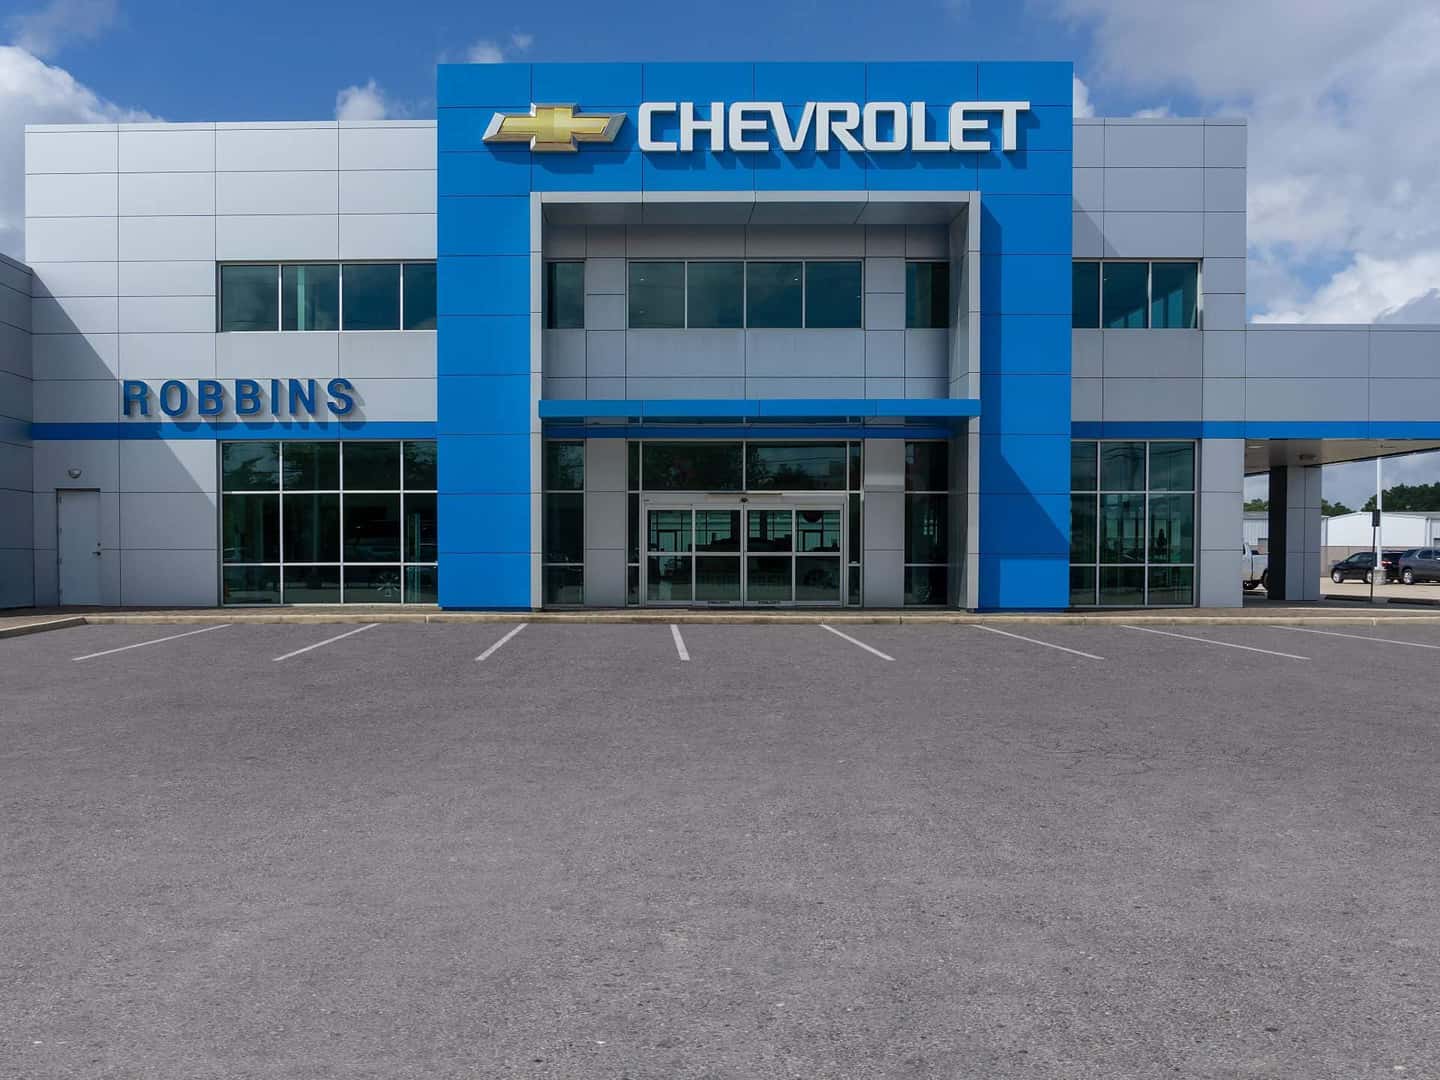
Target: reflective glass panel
250,585
372,528
1082,528
657,295
1172,528
1172,466
1122,466
716,295
1122,586
817,530
717,530
1174,294
1122,528
1085,295
419,280
833,295
1172,585
927,295
927,466
767,579
311,466
855,516
250,526
1125,296
926,522
373,585
693,466
1083,472
857,465
774,294
632,466
312,528
420,528
565,295
371,466
564,466
795,466
632,585
1082,586
250,466
717,579
926,585
249,297
854,597
669,530
668,579
312,584
422,585
633,529
310,297
769,530
371,296
564,528
817,580
420,473
564,585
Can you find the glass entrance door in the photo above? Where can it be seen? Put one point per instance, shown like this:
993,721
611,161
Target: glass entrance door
786,554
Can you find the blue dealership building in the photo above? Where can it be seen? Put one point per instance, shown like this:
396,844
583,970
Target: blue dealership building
723,334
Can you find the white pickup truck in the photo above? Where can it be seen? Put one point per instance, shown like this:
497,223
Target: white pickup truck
1254,568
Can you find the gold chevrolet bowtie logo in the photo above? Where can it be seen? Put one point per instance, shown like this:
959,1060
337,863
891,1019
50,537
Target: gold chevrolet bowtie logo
550,128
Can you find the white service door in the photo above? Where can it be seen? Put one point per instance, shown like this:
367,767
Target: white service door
77,516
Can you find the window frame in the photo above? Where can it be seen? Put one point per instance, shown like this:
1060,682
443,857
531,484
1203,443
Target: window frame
548,298
1149,264
745,291
949,323
281,264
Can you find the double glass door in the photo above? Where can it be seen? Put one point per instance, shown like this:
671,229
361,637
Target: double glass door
782,554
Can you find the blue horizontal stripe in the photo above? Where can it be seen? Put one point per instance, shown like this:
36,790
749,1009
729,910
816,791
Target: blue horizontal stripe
239,429
759,408
747,431
1255,429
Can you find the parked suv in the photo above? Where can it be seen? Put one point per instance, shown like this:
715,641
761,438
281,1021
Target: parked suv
1420,564
1359,565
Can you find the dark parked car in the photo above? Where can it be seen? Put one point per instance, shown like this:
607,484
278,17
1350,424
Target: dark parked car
1420,564
1359,565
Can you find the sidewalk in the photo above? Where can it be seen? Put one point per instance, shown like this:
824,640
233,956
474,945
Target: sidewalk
35,620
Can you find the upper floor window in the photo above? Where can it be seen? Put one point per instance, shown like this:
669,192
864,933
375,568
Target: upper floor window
725,294
927,295
327,296
1135,295
565,295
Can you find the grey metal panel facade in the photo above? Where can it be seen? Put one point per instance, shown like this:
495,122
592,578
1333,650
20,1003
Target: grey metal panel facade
17,531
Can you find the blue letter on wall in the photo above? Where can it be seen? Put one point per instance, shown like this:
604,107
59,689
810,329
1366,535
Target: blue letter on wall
211,397
340,390
180,392
134,392
247,397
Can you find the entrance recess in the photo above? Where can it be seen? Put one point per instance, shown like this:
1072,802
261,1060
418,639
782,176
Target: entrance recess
770,552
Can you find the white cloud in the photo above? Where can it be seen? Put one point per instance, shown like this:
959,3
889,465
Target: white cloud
522,41
485,52
1080,94
1344,193
33,92
366,102
48,30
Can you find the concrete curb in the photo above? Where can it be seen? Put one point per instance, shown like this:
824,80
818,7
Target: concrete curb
755,618
41,625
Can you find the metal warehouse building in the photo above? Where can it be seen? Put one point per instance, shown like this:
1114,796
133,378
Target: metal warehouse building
872,335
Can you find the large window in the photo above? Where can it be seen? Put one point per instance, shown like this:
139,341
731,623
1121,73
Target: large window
927,295
327,296
720,294
713,467
328,522
1132,523
1135,295
565,295
564,523
927,523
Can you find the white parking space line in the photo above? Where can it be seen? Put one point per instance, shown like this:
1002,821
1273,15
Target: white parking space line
329,641
1210,641
1357,637
1037,641
493,649
679,642
152,641
855,641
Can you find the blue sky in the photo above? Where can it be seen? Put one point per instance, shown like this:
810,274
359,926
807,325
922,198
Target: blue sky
1344,196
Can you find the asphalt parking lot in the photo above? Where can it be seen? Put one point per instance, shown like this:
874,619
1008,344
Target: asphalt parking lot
645,852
